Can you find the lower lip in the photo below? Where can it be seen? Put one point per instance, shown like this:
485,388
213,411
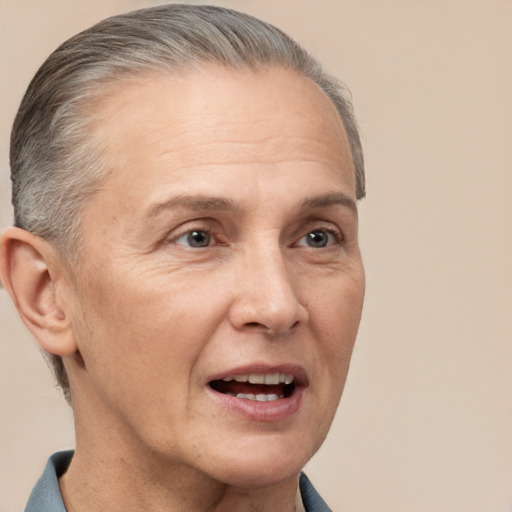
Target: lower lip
275,410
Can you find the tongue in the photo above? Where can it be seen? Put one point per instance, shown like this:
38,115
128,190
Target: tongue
246,388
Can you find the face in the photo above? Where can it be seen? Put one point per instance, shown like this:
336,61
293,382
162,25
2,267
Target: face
220,286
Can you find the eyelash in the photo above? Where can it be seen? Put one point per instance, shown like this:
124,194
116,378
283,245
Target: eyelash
198,229
334,233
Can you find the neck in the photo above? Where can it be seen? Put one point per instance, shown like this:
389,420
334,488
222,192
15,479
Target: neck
101,485
111,472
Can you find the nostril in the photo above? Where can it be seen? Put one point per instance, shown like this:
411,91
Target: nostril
268,329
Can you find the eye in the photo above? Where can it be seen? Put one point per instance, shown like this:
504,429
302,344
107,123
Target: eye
195,238
319,238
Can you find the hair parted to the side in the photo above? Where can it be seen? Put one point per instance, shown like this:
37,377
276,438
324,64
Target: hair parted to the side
55,166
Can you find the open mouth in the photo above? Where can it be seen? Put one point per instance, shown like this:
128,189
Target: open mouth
261,387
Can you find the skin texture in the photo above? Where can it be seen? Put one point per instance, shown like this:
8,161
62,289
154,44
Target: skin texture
257,160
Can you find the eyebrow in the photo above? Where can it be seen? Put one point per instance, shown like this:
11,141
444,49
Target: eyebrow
337,198
210,203
197,203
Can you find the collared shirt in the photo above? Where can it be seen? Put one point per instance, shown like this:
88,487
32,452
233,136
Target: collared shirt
46,497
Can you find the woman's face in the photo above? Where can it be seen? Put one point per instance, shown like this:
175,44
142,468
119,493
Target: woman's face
221,284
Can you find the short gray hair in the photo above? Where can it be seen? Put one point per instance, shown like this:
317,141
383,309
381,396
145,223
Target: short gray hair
55,166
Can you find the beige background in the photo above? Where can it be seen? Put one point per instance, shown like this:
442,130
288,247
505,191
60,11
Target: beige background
426,421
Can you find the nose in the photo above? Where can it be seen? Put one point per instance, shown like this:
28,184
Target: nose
266,294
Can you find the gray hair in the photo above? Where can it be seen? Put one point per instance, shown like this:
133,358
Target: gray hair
55,166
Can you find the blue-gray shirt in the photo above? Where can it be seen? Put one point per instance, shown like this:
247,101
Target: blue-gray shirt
46,497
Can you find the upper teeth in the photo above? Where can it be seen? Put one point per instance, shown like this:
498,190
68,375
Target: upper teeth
262,378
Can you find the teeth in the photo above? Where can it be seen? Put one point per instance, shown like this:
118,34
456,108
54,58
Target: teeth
255,378
272,378
258,398
262,378
286,378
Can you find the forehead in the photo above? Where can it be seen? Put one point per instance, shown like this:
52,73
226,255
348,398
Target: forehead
217,104
200,129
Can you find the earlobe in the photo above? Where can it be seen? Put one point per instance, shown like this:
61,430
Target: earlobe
30,271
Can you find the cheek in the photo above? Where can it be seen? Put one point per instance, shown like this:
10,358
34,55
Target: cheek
336,321
154,326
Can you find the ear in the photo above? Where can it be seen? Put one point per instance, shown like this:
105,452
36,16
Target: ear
32,272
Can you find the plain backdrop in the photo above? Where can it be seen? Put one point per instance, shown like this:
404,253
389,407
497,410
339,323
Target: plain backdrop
425,424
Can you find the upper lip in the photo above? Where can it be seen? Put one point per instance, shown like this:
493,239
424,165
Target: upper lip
299,373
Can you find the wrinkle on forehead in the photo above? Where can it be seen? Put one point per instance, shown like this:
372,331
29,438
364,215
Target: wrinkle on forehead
217,105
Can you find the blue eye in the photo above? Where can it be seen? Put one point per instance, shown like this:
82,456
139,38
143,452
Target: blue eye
195,238
318,239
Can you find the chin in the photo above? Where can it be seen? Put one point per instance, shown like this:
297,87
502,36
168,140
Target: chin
262,462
